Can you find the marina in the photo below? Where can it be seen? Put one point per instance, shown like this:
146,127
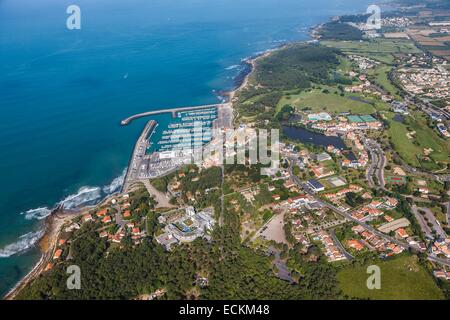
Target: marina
161,149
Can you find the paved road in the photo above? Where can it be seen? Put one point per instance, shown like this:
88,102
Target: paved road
448,214
423,224
341,247
431,218
377,164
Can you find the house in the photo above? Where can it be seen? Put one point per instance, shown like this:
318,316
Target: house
271,188
358,215
102,212
315,185
126,205
87,218
388,218
289,184
355,244
440,274
103,234
61,242
276,197
375,204
401,233
106,219
127,214
423,190
358,229
391,202
374,212
57,254
49,266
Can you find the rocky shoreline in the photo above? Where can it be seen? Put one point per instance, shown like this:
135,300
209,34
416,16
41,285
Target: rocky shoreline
48,242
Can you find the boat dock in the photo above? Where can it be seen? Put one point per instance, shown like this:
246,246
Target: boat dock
174,111
138,153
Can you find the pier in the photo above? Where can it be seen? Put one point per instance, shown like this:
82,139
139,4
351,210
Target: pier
138,153
174,111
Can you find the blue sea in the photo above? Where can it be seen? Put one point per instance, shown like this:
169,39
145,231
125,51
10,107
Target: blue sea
63,92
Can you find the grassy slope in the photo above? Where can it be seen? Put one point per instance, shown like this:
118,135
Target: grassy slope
379,49
330,102
401,278
381,76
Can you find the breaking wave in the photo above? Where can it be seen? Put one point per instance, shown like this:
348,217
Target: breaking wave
116,184
233,67
24,242
38,213
83,196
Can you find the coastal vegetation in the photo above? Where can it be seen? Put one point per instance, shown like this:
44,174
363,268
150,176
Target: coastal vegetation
336,30
126,272
282,73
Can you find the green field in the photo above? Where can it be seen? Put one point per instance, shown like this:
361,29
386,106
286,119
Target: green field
424,137
375,46
381,78
379,49
330,102
402,278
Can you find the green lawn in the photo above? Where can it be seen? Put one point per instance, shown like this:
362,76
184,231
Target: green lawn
424,137
402,278
330,102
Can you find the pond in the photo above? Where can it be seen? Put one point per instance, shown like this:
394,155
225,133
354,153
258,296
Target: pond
317,139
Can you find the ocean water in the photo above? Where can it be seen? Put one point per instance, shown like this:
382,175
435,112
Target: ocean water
63,92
